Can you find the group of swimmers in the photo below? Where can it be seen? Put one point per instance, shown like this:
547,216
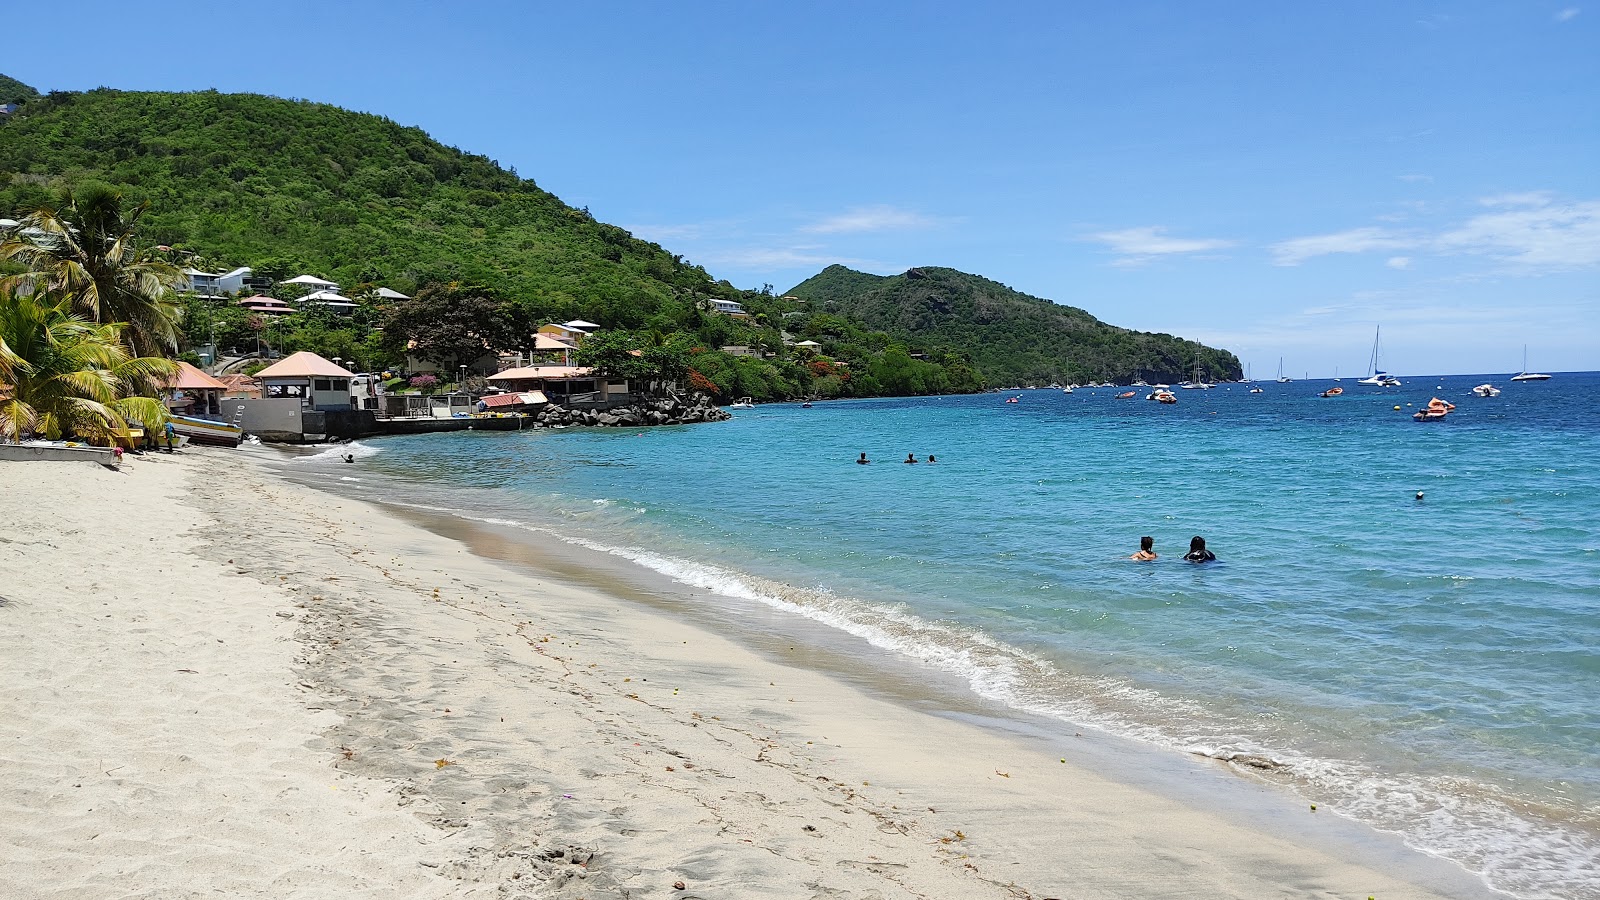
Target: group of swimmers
1197,550
910,458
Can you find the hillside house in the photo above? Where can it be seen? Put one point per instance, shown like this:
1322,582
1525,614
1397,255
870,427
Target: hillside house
727,308
263,305
329,298
213,284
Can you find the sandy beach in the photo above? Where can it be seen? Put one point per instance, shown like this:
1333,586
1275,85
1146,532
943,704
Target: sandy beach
215,682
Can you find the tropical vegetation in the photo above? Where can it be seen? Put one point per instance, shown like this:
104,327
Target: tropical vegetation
87,252
1013,338
62,376
294,187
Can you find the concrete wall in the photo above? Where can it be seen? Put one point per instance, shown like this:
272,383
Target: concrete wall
277,419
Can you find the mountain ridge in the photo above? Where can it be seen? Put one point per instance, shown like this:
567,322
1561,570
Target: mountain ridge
1011,337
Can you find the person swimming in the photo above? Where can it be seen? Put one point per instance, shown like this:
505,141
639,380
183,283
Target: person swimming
1146,549
911,457
1198,552
862,460
932,459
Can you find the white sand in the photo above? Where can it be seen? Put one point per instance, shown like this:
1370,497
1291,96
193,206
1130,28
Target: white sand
166,731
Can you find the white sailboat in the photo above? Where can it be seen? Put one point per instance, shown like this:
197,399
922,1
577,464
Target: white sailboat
1281,378
1525,375
1375,378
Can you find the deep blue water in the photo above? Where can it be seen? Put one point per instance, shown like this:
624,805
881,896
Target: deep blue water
1427,666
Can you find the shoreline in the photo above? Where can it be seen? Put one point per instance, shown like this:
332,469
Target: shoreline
575,721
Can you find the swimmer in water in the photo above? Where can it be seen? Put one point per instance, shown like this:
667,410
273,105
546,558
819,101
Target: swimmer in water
1198,552
932,459
911,457
1146,549
862,460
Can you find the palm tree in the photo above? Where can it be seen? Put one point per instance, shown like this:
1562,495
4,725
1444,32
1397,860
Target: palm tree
61,375
86,253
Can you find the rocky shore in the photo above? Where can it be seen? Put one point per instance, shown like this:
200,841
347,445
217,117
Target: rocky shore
665,411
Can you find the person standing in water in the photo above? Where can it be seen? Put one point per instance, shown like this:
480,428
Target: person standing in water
862,460
1146,549
911,457
1198,552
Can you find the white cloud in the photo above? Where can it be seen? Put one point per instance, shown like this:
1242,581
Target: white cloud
1568,14
663,233
785,258
1295,251
1531,230
1135,246
1399,262
1524,198
871,218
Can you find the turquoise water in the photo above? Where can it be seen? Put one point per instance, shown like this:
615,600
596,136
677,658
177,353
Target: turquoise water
1429,667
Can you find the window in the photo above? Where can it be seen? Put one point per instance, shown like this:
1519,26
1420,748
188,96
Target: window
324,384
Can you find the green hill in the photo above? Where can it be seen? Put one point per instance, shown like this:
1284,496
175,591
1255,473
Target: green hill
14,91
291,186
1010,337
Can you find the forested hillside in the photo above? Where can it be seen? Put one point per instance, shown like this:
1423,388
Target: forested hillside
1011,337
293,187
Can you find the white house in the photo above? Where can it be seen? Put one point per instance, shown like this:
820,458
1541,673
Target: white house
212,283
313,283
727,307
328,298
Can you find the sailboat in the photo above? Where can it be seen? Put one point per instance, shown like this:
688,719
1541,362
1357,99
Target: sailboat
1376,378
1198,384
1281,378
1525,375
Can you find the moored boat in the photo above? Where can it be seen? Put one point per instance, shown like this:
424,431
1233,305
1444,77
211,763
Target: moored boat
1525,375
1486,390
207,431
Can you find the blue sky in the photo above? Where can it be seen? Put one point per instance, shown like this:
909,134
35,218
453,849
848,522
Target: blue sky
1277,179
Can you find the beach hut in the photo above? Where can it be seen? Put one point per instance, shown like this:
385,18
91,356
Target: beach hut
194,393
318,383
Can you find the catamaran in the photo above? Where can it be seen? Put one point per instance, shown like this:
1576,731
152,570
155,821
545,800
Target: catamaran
1525,375
1376,378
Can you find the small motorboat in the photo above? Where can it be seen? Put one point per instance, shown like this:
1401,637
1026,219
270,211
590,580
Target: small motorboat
744,403
1256,390
1125,395
1017,399
1332,392
1435,411
1486,390
1162,396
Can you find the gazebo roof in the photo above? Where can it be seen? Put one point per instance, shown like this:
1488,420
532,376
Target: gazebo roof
304,364
190,378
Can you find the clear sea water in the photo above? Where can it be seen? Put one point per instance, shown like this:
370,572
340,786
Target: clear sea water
1430,667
